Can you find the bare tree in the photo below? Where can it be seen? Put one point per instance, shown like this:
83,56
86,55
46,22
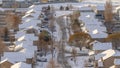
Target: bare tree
115,39
3,48
108,14
2,33
6,33
12,20
76,26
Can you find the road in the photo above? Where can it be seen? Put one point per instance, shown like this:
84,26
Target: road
61,57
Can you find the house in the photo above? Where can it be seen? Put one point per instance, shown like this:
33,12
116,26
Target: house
95,28
31,11
99,47
19,34
18,57
6,63
112,66
14,56
106,58
33,30
28,24
21,65
28,45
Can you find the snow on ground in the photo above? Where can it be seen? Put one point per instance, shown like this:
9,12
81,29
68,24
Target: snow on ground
44,64
62,13
58,33
49,57
69,49
81,59
80,62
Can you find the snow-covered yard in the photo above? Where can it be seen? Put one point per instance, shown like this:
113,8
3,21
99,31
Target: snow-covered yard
80,62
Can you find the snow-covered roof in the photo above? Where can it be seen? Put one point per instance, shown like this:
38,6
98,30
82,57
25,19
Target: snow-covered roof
6,60
26,45
14,56
106,54
19,34
100,8
26,37
99,35
113,66
117,8
35,7
32,6
31,14
85,8
27,42
31,11
21,65
94,27
29,23
117,61
102,46
30,52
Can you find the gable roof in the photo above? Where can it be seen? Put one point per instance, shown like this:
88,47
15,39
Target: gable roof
107,54
29,23
6,60
28,37
102,46
14,56
94,27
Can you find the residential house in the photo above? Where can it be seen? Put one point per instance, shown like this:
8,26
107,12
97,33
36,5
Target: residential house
19,57
14,56
106,58
95,28
6,63
99,47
